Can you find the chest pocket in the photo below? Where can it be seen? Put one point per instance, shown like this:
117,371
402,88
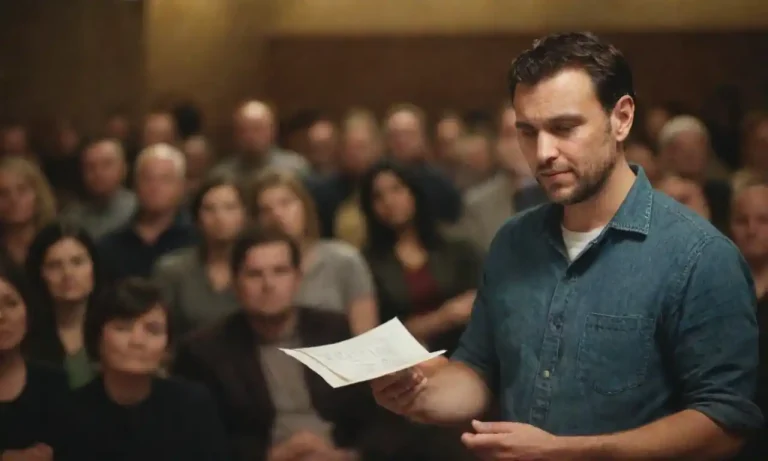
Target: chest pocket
614,352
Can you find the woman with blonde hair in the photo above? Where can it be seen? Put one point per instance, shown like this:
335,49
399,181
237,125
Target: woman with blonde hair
27,204
335,275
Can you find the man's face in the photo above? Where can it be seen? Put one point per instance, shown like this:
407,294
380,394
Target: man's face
159,185
159,128
103,169
267,281
254,132
405,136
567,138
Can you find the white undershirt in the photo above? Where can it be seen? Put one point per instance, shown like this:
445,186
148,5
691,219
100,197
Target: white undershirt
576,242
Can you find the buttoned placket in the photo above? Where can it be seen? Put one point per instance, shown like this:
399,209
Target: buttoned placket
549,355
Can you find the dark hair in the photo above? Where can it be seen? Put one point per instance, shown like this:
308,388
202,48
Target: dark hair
212,182
129,299
256,236
381,237
605,64
44,325
16,279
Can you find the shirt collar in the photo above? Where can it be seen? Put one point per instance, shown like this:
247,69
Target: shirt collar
634,214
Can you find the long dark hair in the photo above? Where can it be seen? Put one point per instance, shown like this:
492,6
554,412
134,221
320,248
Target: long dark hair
381,237
45,343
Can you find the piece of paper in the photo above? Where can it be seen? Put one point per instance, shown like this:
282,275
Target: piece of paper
378,352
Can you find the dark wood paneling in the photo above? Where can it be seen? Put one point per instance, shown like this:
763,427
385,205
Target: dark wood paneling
468,72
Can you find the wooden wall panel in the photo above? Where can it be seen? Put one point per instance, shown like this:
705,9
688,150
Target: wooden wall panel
468,72
70,58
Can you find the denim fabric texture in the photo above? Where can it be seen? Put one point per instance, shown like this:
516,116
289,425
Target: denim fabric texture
656,315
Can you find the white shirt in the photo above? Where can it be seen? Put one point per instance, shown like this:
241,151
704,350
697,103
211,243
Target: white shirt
576,242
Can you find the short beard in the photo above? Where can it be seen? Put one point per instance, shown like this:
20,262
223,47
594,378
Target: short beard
595,184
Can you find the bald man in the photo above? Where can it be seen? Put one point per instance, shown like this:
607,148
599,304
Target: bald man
255,132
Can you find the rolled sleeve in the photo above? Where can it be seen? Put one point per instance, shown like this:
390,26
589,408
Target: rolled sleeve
714,336
477,346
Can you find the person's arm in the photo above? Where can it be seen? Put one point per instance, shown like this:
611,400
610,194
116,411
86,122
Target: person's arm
687,435
359,292
453,313
712,339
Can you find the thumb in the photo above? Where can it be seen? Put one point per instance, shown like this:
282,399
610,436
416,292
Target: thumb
501,427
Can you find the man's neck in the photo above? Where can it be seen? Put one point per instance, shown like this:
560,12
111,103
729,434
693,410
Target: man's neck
275,328
599,210
127,389
104,200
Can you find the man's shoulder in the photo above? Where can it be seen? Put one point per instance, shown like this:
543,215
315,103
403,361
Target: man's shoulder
283,158
673,223
482,193
526,224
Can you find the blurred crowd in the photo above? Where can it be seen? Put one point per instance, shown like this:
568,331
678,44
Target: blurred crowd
148,279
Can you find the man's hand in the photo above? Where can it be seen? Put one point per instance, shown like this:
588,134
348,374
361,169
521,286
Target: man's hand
38,452
301,446
398,392
511,441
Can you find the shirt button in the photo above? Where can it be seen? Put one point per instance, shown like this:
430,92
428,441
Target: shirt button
546,374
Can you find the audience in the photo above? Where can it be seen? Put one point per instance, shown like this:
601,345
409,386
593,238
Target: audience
272,406
335,276
511,190
422,277
26,205
196,281
368,220
337,197
64,270
160,225
107,204
128,412
255,135
31,394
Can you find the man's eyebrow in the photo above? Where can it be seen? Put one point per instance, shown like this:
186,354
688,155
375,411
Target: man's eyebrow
572,119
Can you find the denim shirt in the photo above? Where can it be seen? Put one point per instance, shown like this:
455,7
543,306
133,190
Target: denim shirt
656,315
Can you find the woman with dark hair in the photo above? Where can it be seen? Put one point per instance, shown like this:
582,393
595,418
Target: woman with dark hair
197,281
422,277
63,267
129,412
30,393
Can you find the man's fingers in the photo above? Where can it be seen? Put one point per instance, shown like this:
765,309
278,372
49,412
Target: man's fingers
483,441
496,427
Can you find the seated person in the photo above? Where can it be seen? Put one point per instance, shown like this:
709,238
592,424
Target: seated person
128,413
272,406
686,192
29,393
422,277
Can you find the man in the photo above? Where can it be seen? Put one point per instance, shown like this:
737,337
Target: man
255,132
158,226
274,408
109,205
322,146
513,189
611,324
159,127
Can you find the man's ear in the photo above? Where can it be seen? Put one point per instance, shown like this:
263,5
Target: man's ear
622,117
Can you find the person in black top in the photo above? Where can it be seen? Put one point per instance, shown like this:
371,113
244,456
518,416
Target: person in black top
129,413
30,394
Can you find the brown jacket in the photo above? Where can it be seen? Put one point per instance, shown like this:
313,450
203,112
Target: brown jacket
224,358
